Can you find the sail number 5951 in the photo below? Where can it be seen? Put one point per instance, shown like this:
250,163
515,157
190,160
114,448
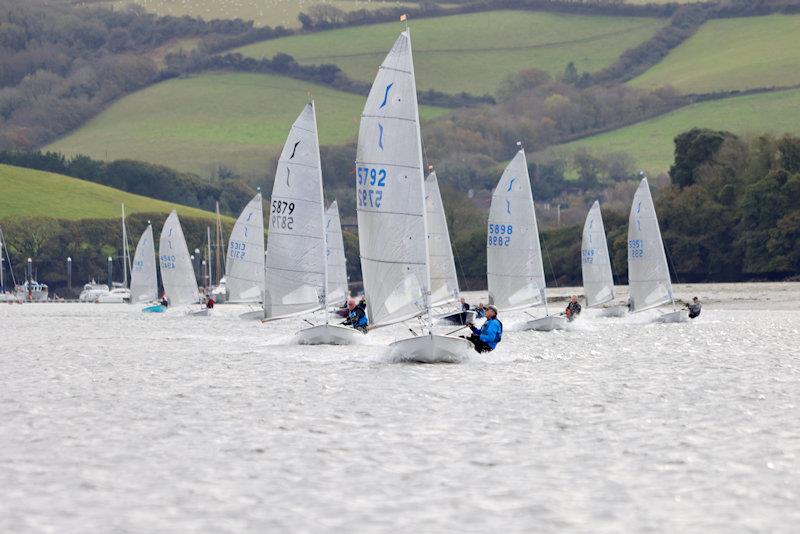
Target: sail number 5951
370,183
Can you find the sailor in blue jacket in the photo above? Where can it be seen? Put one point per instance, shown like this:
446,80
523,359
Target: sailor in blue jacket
356,316
490,334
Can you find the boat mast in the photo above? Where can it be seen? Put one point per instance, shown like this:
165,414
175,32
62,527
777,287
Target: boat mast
322,215
427,291
209,272
2,287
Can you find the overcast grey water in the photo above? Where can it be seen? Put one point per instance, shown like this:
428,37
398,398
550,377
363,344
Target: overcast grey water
116,421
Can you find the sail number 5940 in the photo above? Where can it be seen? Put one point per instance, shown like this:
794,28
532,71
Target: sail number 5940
370,183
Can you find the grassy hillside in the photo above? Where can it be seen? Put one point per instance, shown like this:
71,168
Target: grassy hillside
474,52
651,142
195,124
30,192
262,12
726,54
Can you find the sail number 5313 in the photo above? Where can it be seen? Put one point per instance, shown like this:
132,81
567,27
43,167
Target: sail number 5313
370,183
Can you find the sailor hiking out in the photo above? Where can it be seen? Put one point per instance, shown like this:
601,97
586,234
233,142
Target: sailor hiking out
694,308
573,308
490,333
356,315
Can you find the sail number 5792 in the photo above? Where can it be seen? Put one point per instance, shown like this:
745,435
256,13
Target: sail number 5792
370,184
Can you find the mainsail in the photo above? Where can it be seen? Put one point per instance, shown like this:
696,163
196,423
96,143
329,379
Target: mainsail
648,274
598,281
245,264
337,263
514,268
144,284
295,274
177,272
391,194
444,282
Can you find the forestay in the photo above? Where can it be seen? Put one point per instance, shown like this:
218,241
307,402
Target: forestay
245,265
390,193
598,280
144,284
444,283
515,273
337,263
648,274
295,273
177,272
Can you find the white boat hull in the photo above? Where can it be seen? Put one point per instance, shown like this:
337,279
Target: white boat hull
255,315
614,311
431,348
680,316
328,334
547,324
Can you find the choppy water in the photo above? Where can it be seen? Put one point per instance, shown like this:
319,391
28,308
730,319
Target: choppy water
115,421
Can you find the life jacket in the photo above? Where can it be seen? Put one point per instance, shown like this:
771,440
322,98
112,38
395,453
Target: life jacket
355,320
500,333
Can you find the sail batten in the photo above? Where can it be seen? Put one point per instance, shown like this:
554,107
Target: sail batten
144,281
648,273
296,250
177,271
514,268
245,264
598,280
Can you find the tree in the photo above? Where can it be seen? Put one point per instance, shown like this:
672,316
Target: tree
570,74
694,149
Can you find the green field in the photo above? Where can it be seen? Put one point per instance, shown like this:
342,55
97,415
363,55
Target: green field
651,142
473,52
196,124
30,192
725,54
262,12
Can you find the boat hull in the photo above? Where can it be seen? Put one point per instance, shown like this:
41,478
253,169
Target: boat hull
156,308
456,318
680,316
328,334
547,324
255,315
431,348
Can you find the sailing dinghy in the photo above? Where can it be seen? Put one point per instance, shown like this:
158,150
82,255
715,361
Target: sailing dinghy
392,218
177,272
444,282
244,278
296,264
338,290
598,279
648,273
144,281
515,272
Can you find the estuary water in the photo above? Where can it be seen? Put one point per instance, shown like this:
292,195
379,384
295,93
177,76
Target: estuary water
116,421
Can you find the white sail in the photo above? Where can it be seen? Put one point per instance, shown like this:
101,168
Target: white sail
337,263
245,260
295,274
144,284
598,280
391,194
177,272
514,268
648,274
444,282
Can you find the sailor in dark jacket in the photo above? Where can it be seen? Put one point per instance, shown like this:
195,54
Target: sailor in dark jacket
573,308
694,308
